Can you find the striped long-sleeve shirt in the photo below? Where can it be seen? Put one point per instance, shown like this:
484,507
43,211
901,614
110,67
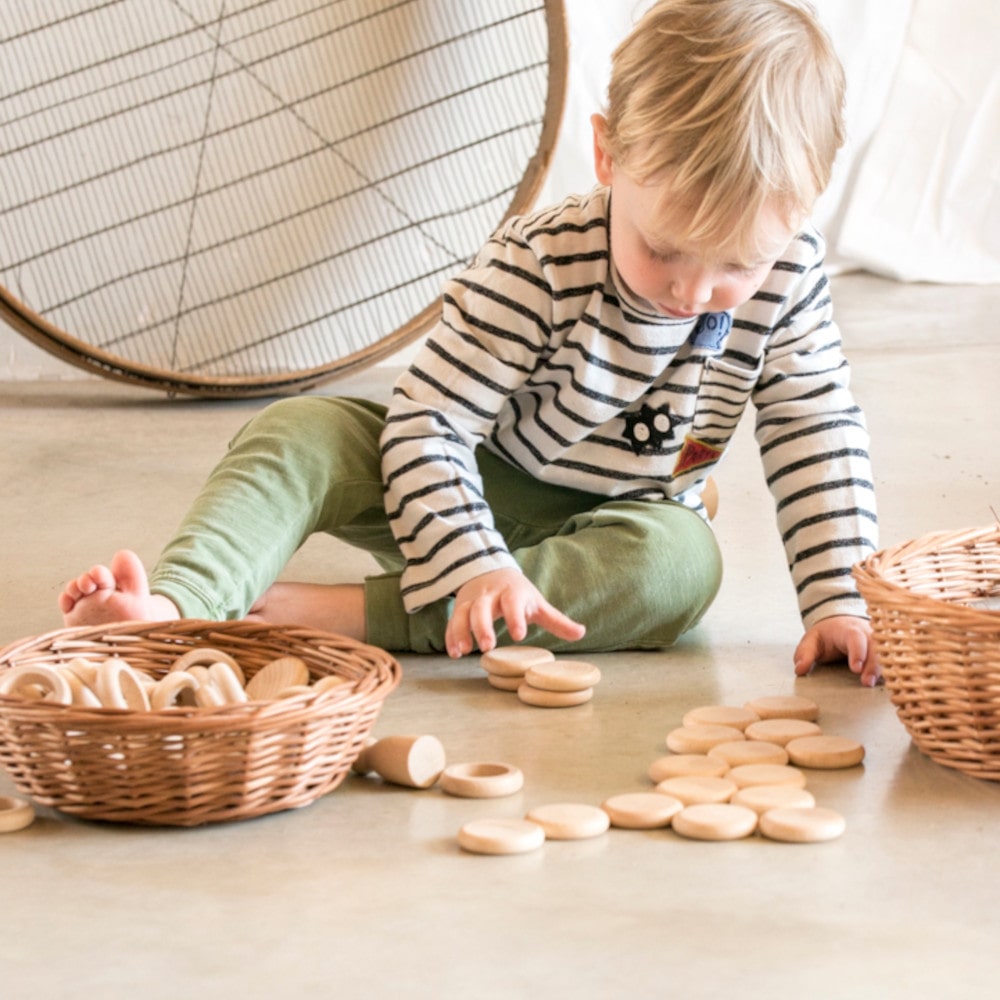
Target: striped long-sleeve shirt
544,358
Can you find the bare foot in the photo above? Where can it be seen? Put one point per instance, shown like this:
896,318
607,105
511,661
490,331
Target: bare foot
333,607
115,593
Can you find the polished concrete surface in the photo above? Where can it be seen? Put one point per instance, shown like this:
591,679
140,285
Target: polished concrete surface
366,894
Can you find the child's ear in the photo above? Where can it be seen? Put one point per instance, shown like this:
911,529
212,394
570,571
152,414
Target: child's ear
603,164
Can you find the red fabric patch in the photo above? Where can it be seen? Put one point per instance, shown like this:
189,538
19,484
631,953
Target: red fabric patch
694,455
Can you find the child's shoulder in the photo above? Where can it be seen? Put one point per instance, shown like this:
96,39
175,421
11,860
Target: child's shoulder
576,215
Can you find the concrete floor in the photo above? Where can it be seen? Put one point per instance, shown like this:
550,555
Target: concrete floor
365,893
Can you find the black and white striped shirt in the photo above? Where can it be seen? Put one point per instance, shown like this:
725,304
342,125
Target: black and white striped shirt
545,359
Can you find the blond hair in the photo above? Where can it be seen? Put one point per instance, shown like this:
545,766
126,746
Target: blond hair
739,103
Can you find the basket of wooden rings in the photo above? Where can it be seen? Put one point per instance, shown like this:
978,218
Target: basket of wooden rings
935,610
188,722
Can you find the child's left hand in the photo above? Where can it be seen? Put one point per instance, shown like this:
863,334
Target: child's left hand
840,637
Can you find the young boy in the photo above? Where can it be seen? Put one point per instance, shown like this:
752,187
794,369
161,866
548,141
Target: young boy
539,471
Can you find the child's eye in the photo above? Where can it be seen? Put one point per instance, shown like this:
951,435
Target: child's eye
663,256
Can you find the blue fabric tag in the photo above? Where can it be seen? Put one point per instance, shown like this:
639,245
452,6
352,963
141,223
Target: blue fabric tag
711,331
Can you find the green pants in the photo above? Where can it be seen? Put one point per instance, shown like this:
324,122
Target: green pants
636,573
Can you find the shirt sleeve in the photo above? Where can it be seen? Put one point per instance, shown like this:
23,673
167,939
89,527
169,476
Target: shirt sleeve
814,445
495,322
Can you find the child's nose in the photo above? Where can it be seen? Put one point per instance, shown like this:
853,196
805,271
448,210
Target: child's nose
692,288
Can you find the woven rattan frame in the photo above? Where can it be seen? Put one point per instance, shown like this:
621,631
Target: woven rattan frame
190,766
175,379
940,654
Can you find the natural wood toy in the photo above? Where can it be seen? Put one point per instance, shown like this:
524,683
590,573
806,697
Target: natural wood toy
570,820
720,715
272,680
789,706
500,836
413,761
206,656
715,821
781,731
15,814
747,775
513,661
481,780
762,798
700,738
38,682
540,698
825,752
563,675
737,752
696,790
686,765
120,686
641,810
802,825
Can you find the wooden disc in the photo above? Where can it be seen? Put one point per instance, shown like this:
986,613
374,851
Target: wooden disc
802,825
747,775
562,675
695,790
686,765
825,752
570,820
721,715
781,731
739,752
502,683
762,798
553,699
500,836
715,821
700,739
789,706
15,813
641,810
513,661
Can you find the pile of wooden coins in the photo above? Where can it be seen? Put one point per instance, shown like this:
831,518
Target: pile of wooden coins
202,678
538,678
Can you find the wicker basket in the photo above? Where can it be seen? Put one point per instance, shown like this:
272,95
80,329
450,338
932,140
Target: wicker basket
940,653
189,766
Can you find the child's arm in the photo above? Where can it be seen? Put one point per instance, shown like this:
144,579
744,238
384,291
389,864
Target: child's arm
838,638
506,594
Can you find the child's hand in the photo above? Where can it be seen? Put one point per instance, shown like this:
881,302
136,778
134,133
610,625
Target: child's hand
506,594
840,637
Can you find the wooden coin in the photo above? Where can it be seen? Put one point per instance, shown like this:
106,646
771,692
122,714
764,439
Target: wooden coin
781,731
484,780
790,706
641,810
761,798
513,661
500,836
825,752
562,675
570,820
721,715
502,683
692,790
274,677
553,699
700,739
715,821
739,752
745,775
802,825
686,765
15,814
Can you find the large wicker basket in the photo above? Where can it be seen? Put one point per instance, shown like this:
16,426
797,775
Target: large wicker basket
186,767
938,641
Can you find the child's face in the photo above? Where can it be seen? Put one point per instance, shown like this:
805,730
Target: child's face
677,278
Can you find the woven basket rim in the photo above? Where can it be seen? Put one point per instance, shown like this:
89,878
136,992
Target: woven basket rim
870,575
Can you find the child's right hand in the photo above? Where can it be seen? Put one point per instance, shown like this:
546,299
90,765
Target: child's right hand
506,594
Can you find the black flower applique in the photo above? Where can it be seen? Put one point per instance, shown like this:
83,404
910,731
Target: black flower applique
648,429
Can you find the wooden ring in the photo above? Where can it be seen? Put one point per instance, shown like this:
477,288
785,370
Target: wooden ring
15,814
481,780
